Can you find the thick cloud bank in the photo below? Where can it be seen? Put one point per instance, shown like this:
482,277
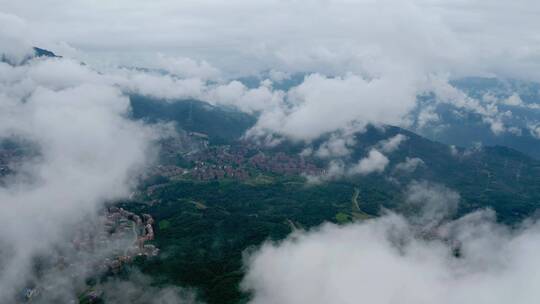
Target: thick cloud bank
332,36
321,105
393,259
85,151
14,47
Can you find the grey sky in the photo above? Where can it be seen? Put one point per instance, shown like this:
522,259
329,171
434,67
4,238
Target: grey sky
474,36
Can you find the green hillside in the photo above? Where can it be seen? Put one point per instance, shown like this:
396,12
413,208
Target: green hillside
220,124
205,226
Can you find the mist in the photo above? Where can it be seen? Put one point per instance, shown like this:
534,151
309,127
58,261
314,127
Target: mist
84,152
427,258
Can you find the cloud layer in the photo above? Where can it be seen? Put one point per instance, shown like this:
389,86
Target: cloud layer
394,259
366,66
86,152
478,35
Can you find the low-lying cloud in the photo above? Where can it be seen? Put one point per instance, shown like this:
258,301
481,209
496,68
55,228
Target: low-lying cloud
374,162
87,152
138,289
14,47
394,259
409,165
323,105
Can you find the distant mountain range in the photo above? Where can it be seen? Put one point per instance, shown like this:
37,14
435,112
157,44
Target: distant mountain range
454,125
519,112
464,127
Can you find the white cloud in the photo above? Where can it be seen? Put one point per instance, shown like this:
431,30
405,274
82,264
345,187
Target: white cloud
409,165
187,68
387,260
513,100
238,95
454,150
535,130
375,162
60,74
242,36
278,76
14,47
486,108
335,147
338,145
379,54
322,105
431,204
427,116
88,153
155,85
138,289
496,125
392,144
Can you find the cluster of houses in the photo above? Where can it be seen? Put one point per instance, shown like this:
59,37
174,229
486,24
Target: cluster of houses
141,227
102,249
205,171
168,171
241,162
282,163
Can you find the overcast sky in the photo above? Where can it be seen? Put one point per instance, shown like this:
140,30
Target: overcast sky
329,36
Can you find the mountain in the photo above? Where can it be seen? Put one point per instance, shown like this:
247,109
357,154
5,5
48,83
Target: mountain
44,53
37,52
517,106
488,176
213,204
220,124
498,177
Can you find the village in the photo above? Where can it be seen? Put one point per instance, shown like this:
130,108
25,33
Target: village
239,162
116,240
